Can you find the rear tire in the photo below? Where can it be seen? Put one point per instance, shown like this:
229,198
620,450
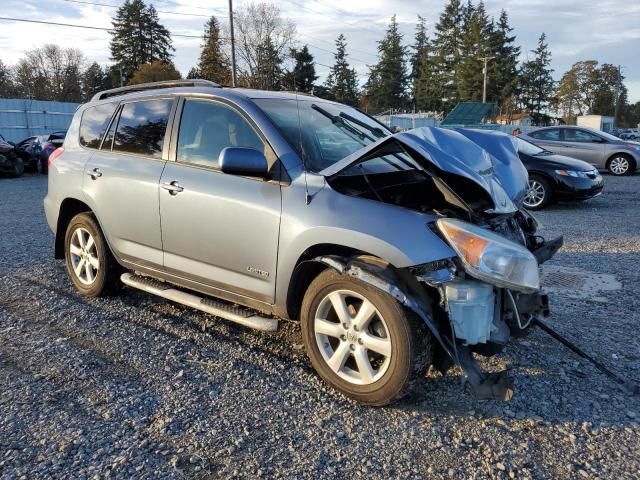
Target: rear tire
374,362
538,193
90,264
620,165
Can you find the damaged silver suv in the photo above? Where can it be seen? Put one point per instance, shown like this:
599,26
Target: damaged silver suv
395,251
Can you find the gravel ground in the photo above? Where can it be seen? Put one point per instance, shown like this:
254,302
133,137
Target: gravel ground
133,386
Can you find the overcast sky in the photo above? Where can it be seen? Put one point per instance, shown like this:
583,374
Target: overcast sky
604,30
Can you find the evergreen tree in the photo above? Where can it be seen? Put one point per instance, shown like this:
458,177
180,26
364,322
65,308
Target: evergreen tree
268,73
303,74
420,56
94,80
342,82
386,86
138,38
503,69
213,64
477,32
193,73
536,82
444,69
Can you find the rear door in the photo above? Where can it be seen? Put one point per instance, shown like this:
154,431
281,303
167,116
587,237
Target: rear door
122,179
218,229
583,145
549,139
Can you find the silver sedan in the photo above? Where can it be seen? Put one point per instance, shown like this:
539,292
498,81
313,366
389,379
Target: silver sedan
600,149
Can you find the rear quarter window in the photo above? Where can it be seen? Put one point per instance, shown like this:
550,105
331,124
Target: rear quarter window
93,124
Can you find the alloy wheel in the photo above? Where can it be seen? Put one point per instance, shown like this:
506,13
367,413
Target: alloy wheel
619,165
352,337
535,194
84,256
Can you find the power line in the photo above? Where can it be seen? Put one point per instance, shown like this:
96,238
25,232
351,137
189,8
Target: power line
104,29
11,19
109,5
304,7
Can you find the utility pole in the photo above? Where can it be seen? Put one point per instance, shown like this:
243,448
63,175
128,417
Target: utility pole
484,71
233,45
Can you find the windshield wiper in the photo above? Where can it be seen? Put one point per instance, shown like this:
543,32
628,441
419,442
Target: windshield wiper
339,122
375,130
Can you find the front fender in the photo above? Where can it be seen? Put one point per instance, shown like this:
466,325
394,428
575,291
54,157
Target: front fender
397,235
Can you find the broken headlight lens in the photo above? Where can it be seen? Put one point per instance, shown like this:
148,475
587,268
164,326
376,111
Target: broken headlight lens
491,257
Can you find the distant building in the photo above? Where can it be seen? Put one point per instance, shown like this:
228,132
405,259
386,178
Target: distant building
599,122
522,119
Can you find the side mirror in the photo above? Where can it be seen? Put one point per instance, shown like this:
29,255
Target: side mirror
243,161
598,140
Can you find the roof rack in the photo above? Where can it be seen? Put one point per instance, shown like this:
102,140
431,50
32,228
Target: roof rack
141,87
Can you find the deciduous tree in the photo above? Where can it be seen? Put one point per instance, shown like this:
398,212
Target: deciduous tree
155,72
51,73
7,86
263,40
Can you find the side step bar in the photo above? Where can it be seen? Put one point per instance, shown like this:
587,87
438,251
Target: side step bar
207,305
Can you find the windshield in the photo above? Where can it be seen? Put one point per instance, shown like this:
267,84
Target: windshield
322,132
528,148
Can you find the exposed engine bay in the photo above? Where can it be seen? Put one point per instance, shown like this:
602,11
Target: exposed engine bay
490,291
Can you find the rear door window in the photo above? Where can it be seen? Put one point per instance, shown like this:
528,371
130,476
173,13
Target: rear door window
575,135
142,127
550,134
93,124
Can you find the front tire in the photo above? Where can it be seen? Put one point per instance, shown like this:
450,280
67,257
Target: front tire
538,193
621,165
361,341
90,265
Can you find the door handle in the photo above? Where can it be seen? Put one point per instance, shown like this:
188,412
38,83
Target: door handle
95,173
172,187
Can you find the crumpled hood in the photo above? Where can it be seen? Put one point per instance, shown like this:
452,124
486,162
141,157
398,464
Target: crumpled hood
488,158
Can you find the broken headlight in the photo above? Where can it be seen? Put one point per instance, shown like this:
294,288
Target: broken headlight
491,257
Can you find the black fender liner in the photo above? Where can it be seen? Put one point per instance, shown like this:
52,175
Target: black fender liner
402,286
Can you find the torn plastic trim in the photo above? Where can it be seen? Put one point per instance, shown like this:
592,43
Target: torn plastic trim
435,273
494,386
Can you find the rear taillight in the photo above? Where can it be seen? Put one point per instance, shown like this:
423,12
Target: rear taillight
55,154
